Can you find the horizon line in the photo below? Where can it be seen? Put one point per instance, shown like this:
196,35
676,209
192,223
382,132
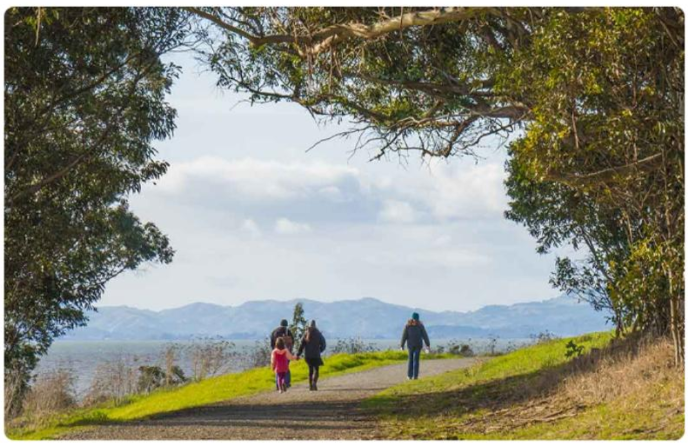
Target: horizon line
296,300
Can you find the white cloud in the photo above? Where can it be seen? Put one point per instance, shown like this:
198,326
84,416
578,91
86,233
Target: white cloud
331,192
251,228
437,259
394,211
288,227
257,179
479,190
254,188
459,191
442,240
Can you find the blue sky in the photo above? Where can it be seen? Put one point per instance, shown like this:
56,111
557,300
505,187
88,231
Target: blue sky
254,216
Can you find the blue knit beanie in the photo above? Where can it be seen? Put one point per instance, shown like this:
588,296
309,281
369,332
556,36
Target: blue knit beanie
415,316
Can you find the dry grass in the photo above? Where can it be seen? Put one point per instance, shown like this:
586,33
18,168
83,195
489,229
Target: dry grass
623,372
629,374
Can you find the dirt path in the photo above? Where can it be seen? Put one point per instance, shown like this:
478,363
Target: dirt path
333,412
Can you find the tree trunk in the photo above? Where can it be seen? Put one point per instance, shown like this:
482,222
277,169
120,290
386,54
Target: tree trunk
676,322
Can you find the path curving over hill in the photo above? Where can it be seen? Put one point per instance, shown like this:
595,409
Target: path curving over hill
331,413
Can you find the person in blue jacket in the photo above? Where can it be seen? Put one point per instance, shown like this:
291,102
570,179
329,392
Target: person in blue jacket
414,335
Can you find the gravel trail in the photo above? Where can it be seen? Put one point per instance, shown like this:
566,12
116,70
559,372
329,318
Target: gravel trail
331,413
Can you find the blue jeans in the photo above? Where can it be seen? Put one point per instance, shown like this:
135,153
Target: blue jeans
414,362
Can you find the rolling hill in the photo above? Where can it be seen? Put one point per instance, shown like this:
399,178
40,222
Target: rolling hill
365,318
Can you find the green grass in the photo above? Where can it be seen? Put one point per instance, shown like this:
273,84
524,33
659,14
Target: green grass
497,400
522,362
208,391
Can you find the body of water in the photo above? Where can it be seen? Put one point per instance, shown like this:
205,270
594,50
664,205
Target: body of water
83,358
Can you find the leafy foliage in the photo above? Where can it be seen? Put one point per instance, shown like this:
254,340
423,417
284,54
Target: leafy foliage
573,350
601,164
84,100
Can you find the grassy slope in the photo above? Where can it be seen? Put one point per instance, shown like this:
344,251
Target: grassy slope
208,391
525,395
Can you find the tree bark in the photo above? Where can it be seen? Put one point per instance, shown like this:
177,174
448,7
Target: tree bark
676,323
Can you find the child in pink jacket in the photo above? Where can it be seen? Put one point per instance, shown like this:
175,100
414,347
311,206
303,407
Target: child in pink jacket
279,361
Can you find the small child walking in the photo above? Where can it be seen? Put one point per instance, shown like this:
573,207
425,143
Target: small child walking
279,361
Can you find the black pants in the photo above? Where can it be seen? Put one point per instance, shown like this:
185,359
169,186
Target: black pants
313,372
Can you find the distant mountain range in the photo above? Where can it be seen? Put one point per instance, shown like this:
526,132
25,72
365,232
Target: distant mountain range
365,318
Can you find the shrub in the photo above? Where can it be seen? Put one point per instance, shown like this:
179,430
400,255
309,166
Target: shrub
112,381
210,356
259,356
492,344
573,350
353,345
154,377
169,356
52,392
150,378
543,337
15,389
454,348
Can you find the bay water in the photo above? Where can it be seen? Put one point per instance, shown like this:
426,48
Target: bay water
82,358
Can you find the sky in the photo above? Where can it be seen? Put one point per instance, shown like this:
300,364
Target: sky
253,216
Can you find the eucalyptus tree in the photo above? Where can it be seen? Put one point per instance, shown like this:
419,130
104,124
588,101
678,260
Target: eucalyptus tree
598,93
85,98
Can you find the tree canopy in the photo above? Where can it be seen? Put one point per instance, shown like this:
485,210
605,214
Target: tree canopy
85,97
597,94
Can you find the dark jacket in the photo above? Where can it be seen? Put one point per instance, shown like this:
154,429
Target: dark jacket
281,331
414,334
314,347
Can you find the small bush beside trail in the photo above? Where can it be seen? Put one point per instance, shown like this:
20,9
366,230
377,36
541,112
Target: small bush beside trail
352,345
52,392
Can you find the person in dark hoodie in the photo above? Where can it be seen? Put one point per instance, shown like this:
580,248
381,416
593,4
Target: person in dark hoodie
414,335
314,344
283,331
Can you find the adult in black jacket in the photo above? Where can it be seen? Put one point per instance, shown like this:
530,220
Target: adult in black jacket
414,335
313,344
283,331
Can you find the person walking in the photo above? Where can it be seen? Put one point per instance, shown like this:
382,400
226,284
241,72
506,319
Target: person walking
279,362
414,335
283,331
313,344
